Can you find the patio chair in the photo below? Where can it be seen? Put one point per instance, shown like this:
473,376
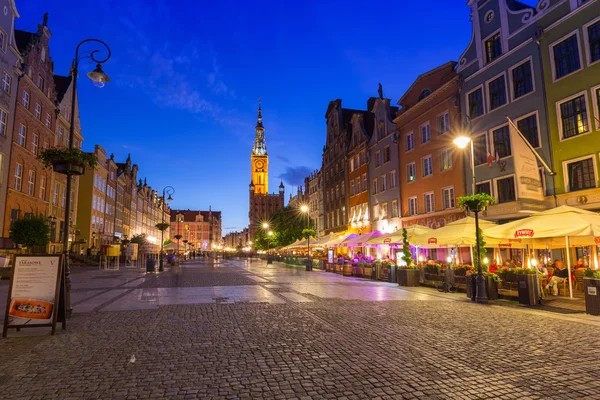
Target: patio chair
578,273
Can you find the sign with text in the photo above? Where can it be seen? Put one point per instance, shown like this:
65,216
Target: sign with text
527,172
33,296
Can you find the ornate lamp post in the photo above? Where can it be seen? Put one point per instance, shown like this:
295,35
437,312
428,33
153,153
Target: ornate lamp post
269,234
168,190
99,78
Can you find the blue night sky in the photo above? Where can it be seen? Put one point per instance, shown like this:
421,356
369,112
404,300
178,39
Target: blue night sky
186,77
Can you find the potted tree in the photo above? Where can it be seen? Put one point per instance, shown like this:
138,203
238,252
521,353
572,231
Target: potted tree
68,161
477,203
591,285
408,274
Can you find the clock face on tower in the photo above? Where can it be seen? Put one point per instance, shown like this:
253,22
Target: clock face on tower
260,165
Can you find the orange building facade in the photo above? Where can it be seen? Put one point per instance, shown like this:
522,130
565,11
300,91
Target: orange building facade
358,171
431,167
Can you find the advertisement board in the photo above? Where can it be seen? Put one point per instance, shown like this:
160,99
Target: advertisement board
33,295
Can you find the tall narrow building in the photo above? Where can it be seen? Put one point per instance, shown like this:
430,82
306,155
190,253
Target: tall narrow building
262,204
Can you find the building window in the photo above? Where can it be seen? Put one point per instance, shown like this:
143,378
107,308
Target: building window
394,209
429,205
448,198
522,80
593,34
497,92
375,186
38,111
6,79
480,151
425,133
35,144
412,206
43,188
18,176
566,57
63,199
3,120
573,117
443,123
25,100
484,187
427,164
424,94
48,121
377,158
501,139
364,180
445,159
352,188
411,172
475,99
581,175
393,181
31,183
55,194
409,141
493,48
505,188
2,40
384,210
40,82
383,183
21,137
529,128
60,134
386,154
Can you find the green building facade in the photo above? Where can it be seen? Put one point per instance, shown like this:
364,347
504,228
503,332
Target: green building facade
571,58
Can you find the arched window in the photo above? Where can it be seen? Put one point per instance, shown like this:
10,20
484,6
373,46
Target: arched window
424,94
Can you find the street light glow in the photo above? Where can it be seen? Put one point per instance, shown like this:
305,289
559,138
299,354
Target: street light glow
270,233
304,208
462,141
265,225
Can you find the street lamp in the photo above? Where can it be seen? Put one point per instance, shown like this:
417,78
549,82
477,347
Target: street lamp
99,78
305,209
462,140
269,234
169,190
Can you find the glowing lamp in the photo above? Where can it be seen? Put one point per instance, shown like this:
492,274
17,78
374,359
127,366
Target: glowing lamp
98,76
462,141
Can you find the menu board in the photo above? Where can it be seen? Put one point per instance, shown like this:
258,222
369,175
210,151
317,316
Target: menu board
33,297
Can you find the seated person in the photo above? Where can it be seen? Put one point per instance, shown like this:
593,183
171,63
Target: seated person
493,267
580,264
560,274
541,269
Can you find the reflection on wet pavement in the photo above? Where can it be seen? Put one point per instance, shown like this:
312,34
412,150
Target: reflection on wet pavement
226,283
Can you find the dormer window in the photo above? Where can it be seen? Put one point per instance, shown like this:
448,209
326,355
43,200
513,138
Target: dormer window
493,48
424,94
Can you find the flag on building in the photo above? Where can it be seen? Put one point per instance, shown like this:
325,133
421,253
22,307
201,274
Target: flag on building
527,173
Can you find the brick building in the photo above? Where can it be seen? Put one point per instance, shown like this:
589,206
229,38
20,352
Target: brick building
361,128
202,229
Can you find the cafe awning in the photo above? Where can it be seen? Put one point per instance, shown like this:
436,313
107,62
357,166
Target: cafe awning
359,240
457,233
396,237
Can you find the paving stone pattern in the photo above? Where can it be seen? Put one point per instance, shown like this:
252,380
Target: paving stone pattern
322,349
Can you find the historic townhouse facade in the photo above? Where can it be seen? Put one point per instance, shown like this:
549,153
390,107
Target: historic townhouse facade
333,170
384,193
503,76
28,183
431,167
202,230
571,57
361,128
10,60
314,189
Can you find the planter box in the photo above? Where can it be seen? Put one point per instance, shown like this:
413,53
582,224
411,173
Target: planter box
356,270
368,272
491,287
347,269
68,168
529,293
591,289
339,268
408,277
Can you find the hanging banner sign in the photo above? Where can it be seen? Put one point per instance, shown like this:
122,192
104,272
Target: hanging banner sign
33,296
432,241
527,173
387,241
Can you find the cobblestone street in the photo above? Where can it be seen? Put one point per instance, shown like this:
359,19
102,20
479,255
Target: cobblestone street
248,330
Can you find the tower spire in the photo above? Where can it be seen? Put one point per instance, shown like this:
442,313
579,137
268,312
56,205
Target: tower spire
260,147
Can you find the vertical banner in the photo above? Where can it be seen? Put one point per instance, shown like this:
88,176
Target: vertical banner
527,173
33,296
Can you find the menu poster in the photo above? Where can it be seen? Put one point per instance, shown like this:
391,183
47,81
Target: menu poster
33,296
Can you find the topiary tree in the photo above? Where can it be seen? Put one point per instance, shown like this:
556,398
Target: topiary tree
406,254
31,231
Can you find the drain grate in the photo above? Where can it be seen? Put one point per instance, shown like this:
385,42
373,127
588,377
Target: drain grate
220,299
